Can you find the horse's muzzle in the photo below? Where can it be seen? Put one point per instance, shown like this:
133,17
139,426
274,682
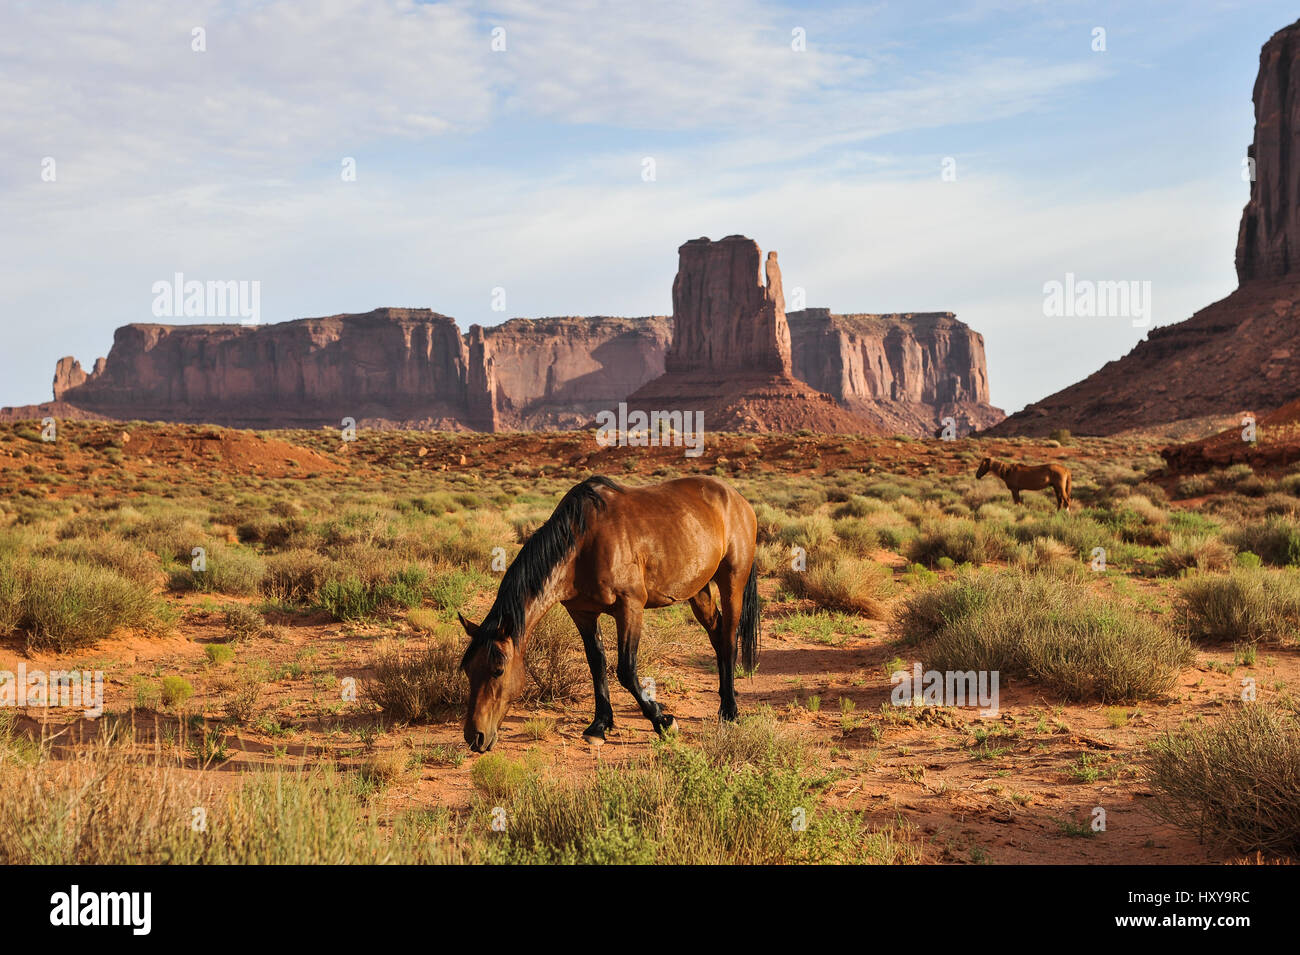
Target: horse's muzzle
479,742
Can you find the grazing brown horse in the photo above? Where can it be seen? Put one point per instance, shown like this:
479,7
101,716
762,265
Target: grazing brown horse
1026,477
617,550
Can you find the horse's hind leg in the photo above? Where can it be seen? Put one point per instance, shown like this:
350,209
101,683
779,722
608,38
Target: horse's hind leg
628,619
589,626
722,634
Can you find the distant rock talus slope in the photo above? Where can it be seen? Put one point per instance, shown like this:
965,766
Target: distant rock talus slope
1240,352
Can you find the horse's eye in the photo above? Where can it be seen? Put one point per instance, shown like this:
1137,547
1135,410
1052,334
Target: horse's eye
497,661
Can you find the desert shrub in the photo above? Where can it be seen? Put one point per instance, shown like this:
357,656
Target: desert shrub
219,654
172,535
227,570
1283,504
839,581
770,522
175,690
242,702
296,576
771,558
417,685
856,506
728,801
465,539
1276,540
885,491
355,599
1048,555
1135,520
1235,781
1080,532
1053,631
1253,486
1198,485
127,558
451,590
857,535
62,605
243,622
1247,604
754,740
811,531
555,661
1152,492
1195,552
12,594
961,539
497,775
107,809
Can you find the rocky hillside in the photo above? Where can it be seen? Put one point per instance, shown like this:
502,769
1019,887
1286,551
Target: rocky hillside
903,372
1237,354
728,349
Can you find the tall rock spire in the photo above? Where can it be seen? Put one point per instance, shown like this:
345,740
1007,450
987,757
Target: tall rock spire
1268,241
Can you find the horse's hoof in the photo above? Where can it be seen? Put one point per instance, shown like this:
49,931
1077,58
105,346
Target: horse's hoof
593,740
594,734
667,729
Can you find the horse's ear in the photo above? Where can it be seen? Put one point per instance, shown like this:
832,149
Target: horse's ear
470,628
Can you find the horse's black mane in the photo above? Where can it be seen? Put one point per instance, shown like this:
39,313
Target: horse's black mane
548,545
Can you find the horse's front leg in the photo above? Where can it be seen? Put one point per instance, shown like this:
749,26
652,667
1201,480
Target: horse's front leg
627,617
588,625
1015,494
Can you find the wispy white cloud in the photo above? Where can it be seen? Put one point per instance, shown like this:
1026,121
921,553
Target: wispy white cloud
225,164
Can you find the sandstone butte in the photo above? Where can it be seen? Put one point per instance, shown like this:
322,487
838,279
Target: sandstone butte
1237,354
729,349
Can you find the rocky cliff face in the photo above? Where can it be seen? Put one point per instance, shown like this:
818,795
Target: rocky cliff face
902,371
728,349
407,364
1268,242
724,319
730,359
1237,354
558,372
392,367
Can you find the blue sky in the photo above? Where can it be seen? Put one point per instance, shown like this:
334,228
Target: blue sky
522,169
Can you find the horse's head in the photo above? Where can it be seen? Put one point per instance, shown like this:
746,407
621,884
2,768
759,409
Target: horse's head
984,468
495,667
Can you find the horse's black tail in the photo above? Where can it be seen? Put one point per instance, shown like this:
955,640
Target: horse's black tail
748,630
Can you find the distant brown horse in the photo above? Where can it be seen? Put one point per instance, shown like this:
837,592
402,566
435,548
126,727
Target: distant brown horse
1026,477
617,550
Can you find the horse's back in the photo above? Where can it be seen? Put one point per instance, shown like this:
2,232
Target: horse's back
700,495
678,533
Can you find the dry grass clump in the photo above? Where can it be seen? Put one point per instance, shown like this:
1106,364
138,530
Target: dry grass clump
962,540
1054,631
62,606
1276,540
1254,605
417,685
836,580
1235,781
1200,552
555,661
